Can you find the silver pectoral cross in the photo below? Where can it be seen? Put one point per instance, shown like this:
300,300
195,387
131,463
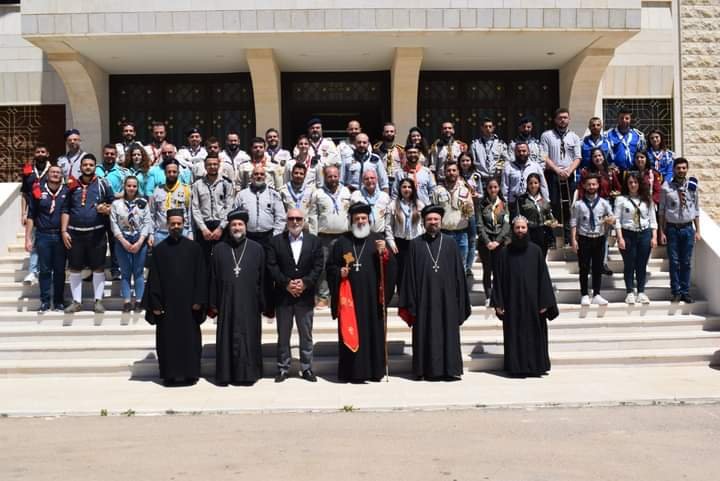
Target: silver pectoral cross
237,270
357,266
436,267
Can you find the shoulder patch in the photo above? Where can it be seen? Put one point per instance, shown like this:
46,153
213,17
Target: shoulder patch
692,184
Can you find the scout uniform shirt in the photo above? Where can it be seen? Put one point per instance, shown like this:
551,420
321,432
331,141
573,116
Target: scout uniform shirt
458,205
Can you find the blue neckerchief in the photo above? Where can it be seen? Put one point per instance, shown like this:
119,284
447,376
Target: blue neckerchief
371,201
592,209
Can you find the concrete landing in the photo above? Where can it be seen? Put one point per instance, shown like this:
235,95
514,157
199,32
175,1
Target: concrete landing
564,386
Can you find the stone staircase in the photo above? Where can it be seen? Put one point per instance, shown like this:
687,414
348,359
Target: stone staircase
117,344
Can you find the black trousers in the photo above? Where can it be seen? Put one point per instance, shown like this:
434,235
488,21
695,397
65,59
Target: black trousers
207,246
487,257
303,315
591,250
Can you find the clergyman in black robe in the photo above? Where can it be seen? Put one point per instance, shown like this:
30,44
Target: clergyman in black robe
524,300
174,301
368,362
237,298
434,300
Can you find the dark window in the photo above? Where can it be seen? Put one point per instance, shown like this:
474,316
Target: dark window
646,113
335,98
21,127
215,104
465,98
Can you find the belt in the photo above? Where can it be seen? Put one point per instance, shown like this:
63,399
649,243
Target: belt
592,236
49,231
86,229
456,231
679,226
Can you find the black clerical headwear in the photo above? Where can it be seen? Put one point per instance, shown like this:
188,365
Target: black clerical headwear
432,209
238,214
359,208
313,121
175,213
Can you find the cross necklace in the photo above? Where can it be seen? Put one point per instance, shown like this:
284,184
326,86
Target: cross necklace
237,262
357,264
435,260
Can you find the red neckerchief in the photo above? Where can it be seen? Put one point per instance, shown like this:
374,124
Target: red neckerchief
52,196
84,187
413,173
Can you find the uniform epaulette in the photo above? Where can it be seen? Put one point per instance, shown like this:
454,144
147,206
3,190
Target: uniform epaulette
692,184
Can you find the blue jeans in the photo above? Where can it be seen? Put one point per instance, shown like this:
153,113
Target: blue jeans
472,244
131,267
33,266
51,267
461,237
635,258
680,243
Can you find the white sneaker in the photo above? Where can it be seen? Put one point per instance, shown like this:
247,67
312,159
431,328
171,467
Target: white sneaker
630,298
30,279
487,302
643,299
600,300
585,301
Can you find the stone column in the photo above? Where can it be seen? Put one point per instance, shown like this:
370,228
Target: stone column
265,76
405,78
580,81
700,93
87,88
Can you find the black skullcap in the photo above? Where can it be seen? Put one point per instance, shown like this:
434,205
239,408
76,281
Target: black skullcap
175,213
238,214
432,209
191,131
359,208
313,121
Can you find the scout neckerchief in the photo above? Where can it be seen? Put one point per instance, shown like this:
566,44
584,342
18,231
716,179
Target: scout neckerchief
561,136
334,198
682,192
371,200
53,196
591,207
84,187
625,139
296,198
72,160
169,194
636,215
406,209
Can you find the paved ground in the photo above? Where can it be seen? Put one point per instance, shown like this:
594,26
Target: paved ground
620,443
40,395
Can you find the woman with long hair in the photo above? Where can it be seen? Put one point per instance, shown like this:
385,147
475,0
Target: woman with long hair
313,171
661,158
636,230
403,222
131,225
650,177
536,209
493,231
474,182
138,164
416,137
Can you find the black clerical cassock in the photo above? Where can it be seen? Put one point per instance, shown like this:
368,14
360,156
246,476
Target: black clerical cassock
434,300
522,288
177,281
368,362
237,270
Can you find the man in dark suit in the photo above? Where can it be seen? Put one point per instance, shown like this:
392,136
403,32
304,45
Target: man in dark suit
295,261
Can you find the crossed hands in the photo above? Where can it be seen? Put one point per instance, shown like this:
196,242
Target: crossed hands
296,287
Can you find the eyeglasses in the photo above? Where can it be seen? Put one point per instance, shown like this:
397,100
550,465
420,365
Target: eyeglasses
295,219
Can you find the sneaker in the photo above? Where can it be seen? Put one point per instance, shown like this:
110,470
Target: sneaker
115,276
127,307
585,300
30,279
281,376
308,375
487,302
687,299
59,307
44,307
675,298
606,270
138,307
73,308
599,300
99,308
642,298
630,298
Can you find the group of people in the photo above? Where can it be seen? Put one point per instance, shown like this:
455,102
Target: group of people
235,234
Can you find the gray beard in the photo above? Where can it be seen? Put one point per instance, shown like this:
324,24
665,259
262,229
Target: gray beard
237,236
361,232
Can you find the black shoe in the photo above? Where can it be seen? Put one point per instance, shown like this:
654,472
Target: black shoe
687,299
115,276
308,375
127,307
281,376
606,271
44,307
675,298
88,278
59,307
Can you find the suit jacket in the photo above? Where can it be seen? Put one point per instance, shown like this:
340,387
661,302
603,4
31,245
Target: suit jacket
282,268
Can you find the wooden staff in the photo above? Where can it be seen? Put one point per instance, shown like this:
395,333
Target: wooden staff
384,313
